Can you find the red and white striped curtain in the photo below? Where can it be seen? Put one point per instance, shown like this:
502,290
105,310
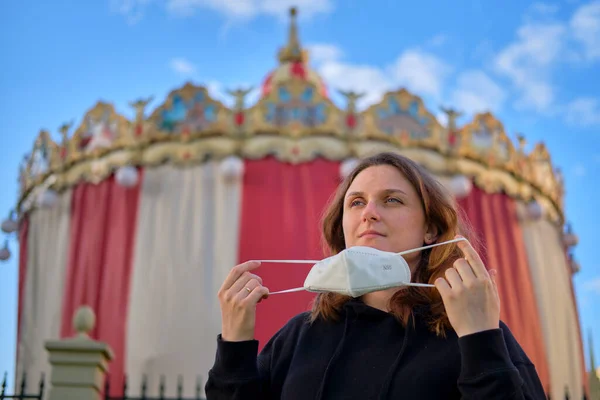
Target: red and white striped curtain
150,259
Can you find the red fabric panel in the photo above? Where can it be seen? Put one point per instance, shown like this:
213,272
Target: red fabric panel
102,234
23,235
281,208
494,219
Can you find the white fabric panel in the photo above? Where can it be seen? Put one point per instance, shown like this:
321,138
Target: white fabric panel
551,277
47,253
186,243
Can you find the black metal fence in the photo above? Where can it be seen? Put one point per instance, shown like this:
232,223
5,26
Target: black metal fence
162,388
22,393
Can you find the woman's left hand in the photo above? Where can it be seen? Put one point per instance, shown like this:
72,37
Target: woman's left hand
470,294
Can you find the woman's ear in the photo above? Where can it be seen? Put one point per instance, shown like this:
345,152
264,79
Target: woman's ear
431,235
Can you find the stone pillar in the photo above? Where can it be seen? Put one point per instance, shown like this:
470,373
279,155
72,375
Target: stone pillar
78,364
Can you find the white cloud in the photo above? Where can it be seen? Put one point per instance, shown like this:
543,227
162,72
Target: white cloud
322,52
247,9
593,285
218,92
585,25
367,79
182,66
544,8
133,10
232,9
527,63
437,40
584,112
542,43
476,92
421,72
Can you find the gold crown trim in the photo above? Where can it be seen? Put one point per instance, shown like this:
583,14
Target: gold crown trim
190,127
295,123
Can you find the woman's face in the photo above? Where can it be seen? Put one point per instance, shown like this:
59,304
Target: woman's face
382,210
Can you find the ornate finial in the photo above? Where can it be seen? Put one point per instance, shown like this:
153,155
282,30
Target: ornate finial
64,131
352,98
69,147
522,142
452,115
292,52
139,106
84,321
240,95
540,152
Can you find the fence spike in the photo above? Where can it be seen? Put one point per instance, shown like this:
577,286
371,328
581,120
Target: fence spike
179,387
42,384
144,386
161,388
23,383
107,387
4,384
198,387
125,387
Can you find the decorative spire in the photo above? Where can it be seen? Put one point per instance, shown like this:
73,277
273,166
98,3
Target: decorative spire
352,97
239,95
292,52
522,142
452,115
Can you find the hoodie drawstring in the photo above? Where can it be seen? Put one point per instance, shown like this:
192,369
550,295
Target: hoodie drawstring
336,354
385,388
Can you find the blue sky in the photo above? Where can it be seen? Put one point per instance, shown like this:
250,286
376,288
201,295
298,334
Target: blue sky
535,65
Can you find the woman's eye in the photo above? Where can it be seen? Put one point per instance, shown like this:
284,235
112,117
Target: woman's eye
354,203
394,200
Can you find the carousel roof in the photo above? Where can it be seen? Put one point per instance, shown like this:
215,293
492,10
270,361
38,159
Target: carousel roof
295,121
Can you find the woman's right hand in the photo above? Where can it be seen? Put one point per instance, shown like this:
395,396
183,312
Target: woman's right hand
239,294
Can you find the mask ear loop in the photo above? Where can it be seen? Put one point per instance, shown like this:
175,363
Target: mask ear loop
425,248
300,289
289,261
399,254
430,246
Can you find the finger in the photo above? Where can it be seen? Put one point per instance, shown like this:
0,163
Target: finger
493,275
237,271
244,281
247,289
473,258
256,295
465,271
443,287
453,278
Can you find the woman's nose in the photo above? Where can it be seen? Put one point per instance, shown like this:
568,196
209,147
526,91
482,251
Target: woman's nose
370,212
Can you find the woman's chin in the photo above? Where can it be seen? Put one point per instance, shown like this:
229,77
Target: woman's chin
376,242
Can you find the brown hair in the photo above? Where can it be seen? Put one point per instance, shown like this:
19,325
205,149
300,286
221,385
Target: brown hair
440,211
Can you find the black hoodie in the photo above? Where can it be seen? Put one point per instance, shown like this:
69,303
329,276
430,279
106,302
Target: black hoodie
368,354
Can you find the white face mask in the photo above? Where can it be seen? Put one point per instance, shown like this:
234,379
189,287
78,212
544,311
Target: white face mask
358,270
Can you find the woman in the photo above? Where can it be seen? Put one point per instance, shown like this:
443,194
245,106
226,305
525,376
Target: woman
445,342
